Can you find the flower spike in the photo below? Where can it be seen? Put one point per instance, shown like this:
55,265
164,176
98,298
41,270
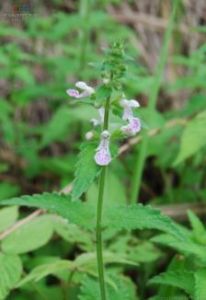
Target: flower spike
103,155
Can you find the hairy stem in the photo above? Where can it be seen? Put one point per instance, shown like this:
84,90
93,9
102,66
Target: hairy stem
142,154
99,246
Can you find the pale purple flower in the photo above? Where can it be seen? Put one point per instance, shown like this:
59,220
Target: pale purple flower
85,90
103,155
128,105
133,126
99,121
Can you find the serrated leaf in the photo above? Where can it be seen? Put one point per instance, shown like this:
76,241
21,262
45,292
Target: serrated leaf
89,259
29,236
186,246
10,273
86,170
197,225
193,138
141,217
123,289
8,216
83,214
74,234
181,279
46,269
75,212
200,279
83,263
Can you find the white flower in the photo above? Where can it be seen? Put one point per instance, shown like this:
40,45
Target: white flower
99,121
134,124
86,90
103,155
128,105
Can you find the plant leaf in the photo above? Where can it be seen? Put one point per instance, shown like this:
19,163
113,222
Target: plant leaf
83,263
8,216
86,170
123,289
200,277
10,273
141,217
29,236
193,138
181,279
187,246
75,212
83,213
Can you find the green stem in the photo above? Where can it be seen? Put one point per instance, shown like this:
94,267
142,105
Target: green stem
142,154
99,246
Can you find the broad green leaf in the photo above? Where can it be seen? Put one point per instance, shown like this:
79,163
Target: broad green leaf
199,231
89,259
74,234
75,212
181,279
10,273
193,138
83,213
86,170
187,246
8,216
197,225
200,279
84,263
123,289
140,217
29,236
46,269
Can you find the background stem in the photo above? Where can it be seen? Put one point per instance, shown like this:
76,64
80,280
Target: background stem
142,153
99,246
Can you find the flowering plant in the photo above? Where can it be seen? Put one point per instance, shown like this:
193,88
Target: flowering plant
106,98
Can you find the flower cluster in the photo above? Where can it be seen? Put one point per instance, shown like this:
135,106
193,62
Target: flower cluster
132,124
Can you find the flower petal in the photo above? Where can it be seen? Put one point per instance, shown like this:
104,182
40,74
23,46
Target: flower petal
73,93
103,157
133,103
133,126
81,85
